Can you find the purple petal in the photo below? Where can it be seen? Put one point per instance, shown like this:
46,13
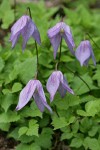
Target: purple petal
83,52
40,98
69,42
62,90
53,84
68,38
27,32
54,30
92,54
36,35
19,24
55,41
66,86
26,94
38,101
15,39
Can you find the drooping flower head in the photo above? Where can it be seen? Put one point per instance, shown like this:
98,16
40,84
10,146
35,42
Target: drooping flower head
25,27
33,89
61,30
84,52
57,82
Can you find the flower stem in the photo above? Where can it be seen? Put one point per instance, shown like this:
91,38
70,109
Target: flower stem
93,40
60,51
15,9
29,10
37,59
57,64
80,78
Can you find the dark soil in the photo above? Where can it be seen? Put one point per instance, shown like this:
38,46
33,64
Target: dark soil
7,144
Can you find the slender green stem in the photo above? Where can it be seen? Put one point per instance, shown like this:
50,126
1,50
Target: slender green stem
15,9
55,109
80,78
57,64
60,51
93,40
36,75
37,58
29,10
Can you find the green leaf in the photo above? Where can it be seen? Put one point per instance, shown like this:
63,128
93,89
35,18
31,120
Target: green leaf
59,122
75,127
32,146
96,76
6,16
82,113
24,70
71,120
33,128
73,16
68,101
13,74
6,91
14,133
26,139
44,121
22,131
91,143
87,98
66,135
45,59
2,64
27,69
8,19
66,58
93,131
86,18
76,142
10,116
23,147
31,111
92,107
7,101
80,87
44,139
16,87
86,124
5,126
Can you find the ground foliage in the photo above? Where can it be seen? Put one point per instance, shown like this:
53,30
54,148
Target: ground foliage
75,122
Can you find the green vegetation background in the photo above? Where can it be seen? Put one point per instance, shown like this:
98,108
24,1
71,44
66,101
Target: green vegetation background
75,123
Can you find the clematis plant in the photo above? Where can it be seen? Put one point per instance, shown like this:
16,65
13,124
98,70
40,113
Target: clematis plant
57,82
84,52
25,27
59,31
33,89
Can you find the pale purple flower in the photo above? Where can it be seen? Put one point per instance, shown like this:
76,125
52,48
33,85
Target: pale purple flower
57,82
61,30
84,52
33,89
26,27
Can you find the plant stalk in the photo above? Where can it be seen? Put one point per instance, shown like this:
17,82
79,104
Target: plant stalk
57,64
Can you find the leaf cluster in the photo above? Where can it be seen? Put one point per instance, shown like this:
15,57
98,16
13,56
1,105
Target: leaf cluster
76,118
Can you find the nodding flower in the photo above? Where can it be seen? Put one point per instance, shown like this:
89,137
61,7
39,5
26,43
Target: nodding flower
26,27
59,31
33,89
84,52
57,82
